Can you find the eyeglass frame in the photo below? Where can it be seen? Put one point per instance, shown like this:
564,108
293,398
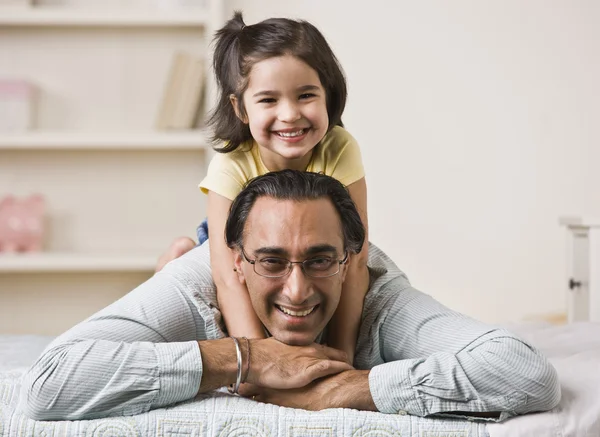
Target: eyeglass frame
291,265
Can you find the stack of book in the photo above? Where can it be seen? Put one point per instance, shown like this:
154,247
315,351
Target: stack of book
182,98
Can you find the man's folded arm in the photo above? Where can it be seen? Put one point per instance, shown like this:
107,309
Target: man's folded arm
439,361
137,354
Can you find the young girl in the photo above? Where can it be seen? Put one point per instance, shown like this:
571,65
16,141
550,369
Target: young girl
282,94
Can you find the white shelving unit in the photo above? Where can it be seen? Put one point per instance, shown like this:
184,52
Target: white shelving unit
70,263
168,141
117,191
101,17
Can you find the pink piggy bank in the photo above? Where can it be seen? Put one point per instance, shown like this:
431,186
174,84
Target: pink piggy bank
21,224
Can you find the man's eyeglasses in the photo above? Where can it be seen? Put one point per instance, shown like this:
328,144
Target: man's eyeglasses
316,267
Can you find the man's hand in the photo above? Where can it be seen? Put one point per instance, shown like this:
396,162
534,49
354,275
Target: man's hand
349,389
272,364
279,366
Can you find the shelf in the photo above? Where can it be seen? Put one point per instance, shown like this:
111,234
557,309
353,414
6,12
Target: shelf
192,140
74,262
70,17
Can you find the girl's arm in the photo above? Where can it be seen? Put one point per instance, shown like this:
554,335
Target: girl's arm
345,323
232,296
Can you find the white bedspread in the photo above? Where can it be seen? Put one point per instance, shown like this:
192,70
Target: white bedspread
574,350
220,414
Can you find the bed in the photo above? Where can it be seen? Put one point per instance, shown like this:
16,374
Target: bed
574,349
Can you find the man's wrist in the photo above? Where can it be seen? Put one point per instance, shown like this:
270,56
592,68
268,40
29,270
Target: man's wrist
219,364
352,391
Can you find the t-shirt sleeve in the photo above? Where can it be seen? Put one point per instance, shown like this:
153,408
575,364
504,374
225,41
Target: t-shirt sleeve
224,176
342,157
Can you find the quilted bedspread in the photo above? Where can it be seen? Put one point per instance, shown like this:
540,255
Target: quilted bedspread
218,414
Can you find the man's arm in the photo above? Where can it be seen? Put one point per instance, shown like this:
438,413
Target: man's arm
440,361
139,353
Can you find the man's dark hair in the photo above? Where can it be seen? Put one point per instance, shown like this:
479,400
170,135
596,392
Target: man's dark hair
238,47
299,186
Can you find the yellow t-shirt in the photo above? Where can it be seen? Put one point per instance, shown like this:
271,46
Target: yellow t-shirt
337,155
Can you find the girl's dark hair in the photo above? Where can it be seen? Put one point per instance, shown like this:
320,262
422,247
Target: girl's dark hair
298,186
238,47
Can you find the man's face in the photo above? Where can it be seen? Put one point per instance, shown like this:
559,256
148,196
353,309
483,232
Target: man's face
294,308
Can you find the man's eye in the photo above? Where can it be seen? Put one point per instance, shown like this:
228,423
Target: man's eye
318,263
273,262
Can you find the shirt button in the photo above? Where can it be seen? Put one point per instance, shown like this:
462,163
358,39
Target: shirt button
402,412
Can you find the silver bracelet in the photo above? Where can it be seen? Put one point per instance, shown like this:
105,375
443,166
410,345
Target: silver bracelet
238,353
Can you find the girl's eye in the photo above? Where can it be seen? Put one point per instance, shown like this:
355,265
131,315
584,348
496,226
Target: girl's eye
307,95
267,100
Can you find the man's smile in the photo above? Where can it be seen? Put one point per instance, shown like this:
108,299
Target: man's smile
296,313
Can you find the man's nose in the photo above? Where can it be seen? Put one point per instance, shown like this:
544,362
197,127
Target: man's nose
297,285
288,112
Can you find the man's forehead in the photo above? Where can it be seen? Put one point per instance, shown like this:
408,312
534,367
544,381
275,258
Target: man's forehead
287,226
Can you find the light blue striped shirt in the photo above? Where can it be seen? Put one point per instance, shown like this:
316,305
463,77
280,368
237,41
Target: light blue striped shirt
141,352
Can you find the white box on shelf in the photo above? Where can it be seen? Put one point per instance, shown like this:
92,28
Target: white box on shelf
17,102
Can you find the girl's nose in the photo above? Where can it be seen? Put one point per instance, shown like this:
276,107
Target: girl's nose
288,112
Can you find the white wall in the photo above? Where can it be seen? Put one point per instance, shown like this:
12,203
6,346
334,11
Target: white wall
478,123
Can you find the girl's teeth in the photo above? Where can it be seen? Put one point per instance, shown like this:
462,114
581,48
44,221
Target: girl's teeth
291,134
297,313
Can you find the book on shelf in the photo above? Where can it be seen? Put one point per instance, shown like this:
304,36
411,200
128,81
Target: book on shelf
183,94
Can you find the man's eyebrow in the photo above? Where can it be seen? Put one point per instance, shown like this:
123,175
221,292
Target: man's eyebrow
321,248
271,250
280,251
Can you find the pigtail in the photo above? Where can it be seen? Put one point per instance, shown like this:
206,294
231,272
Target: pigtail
227,66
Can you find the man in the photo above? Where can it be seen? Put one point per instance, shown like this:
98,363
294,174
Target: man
292,233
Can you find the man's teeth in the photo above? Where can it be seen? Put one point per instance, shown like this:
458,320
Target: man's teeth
297,313
291,134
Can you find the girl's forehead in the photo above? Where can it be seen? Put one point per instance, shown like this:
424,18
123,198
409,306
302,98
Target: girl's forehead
282,70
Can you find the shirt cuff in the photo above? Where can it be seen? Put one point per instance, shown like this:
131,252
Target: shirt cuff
180,372
392,389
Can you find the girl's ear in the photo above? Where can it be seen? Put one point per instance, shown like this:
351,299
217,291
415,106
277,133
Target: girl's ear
237,266
236,107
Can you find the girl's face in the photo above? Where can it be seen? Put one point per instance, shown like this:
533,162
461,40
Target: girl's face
286,109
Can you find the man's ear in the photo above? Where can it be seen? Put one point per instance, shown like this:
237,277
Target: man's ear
237,266
344,267
236,107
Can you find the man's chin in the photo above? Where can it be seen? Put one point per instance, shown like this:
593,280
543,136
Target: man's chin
294,338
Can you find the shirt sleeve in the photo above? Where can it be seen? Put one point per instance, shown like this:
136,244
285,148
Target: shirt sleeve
226,175
135,355
341,157
439,361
